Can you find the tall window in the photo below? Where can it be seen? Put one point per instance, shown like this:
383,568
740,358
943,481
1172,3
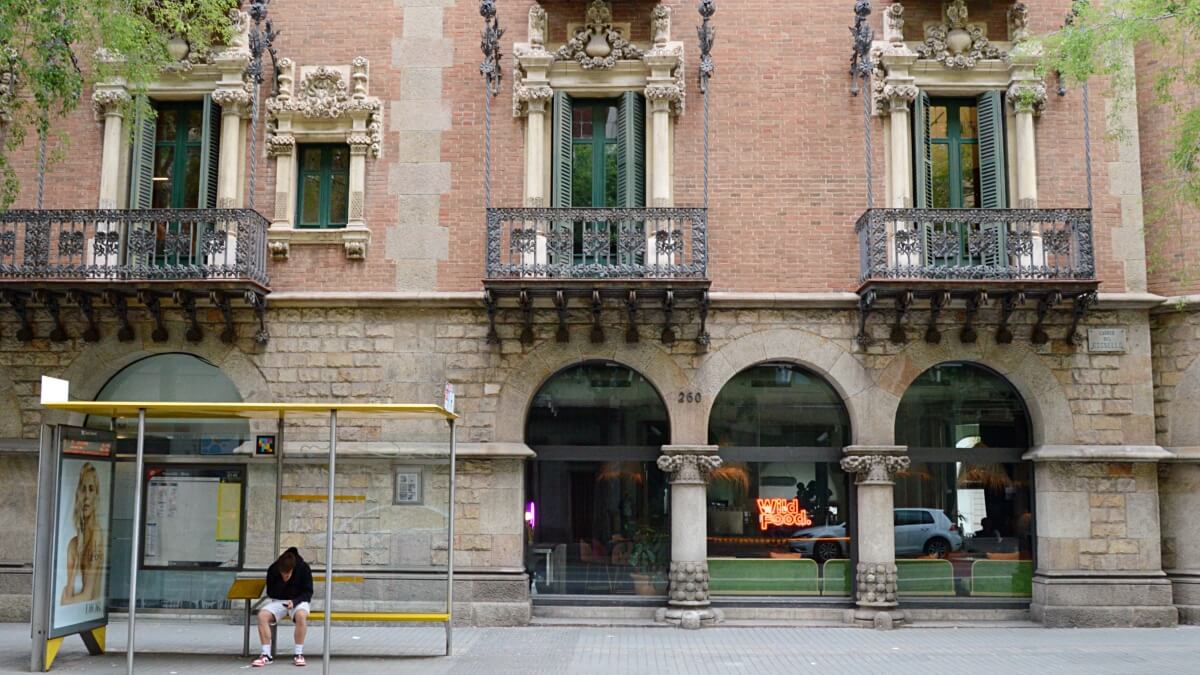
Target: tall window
778,507
174,166
324,185
596,503
964,509
959,164
599,160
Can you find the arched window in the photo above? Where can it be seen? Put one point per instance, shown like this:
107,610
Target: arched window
193,515
963,517
596,502
174,377
780,494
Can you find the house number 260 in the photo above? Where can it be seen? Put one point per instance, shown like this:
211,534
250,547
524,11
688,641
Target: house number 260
689,397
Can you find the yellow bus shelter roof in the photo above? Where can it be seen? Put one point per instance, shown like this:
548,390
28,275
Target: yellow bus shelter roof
272,410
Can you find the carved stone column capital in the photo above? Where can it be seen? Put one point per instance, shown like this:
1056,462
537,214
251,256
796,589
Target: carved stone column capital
689,464
1027,97
875,464
107,102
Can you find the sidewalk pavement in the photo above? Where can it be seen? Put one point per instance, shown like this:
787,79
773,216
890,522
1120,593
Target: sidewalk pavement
214,648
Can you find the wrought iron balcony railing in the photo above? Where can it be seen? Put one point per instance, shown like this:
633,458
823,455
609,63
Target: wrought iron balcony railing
597,243
133,245
976,245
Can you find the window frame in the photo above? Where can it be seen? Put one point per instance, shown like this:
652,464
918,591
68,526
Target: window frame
325,174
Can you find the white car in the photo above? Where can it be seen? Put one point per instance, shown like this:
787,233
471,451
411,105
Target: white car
918,532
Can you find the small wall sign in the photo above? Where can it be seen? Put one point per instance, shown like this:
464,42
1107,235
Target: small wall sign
407,489
1106,340
264,445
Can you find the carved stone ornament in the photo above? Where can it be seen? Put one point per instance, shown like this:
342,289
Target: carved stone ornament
524,94
676,92
660,25
956,44
280,145
688,583
356,249
324,93
537,25
1018,22
235,99
104,101
279,249
1029,97
876,583
875,468
597,45
689,468
893,23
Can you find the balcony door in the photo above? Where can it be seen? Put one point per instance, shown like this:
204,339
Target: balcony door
959,164
599,162
174,166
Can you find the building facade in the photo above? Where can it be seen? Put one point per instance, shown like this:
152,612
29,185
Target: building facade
792,341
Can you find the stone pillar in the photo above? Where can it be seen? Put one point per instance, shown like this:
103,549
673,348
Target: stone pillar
689,467
1179,494
231,154
109,106
893,97
666,99
1027,96
531,98
875,576
1099,544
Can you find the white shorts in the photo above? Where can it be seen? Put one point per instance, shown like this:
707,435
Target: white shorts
279,610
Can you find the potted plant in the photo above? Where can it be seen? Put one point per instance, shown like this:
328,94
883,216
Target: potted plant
649,557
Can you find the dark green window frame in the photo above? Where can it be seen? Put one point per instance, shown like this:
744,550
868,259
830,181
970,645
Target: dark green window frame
325,173
954,143
626,187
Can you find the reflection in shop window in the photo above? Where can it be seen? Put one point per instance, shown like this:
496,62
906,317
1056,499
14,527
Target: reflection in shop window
779,504
596,511
964,507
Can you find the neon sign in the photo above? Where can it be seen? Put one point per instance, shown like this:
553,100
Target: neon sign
777,511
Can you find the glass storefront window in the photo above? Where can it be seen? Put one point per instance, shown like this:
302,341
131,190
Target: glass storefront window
596,509
963,518
779,506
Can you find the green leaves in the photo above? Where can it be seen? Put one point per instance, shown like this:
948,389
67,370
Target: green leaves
55,43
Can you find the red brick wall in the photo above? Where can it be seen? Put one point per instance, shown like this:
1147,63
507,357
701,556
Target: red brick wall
1172,235
787,139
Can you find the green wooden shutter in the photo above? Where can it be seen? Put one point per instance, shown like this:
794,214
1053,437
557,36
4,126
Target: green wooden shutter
631,143
922,154
562,152
210,144
992,193
141,172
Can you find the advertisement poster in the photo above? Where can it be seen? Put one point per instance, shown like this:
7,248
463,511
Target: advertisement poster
81,555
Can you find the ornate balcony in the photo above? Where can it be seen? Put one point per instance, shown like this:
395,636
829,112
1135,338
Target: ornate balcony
971,254
635,254
146,256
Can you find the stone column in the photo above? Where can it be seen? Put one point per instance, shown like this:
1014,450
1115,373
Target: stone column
893,97
689,467
1027,99
109,104
231,152
665,98
875,576
531,99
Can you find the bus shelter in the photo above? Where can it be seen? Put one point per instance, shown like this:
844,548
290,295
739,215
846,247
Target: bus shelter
68,598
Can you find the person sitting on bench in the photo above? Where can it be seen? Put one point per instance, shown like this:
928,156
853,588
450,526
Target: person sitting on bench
289,590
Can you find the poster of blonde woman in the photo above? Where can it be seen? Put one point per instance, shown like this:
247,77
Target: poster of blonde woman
82,556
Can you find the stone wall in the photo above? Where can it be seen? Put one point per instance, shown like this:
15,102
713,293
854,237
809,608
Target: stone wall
1099,546
404,353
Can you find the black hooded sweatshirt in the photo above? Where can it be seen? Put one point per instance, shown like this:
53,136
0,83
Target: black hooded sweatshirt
298,588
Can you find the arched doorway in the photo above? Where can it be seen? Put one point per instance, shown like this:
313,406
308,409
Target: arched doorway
779,506
596,503
193,517
964,509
